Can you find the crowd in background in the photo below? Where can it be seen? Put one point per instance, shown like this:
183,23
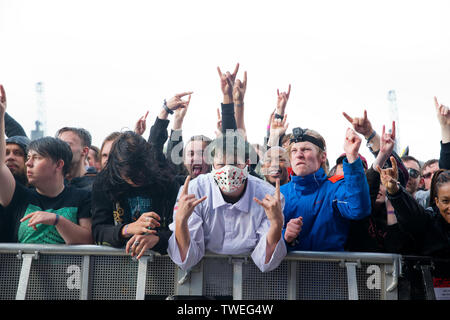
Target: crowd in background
223,194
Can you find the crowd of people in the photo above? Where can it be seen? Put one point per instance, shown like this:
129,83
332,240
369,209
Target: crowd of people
223,194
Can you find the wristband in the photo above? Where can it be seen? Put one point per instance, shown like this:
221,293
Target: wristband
278,116
167,108
125,233
371,136
56,219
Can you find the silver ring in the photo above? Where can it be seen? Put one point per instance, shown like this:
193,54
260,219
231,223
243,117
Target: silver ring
147,219
136,243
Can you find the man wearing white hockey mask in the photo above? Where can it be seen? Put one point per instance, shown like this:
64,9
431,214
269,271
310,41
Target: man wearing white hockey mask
228,211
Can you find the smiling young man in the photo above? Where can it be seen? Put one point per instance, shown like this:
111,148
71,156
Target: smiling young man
49,212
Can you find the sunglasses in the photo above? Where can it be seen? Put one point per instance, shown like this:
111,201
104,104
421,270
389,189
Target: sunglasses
413,173
428,175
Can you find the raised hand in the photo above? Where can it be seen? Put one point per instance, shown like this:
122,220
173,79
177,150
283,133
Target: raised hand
239,89
227,83
141,125
180,113
278,127
389,177
282,101
360,125
443,113
187,202
351,145
219,123
272,205
176,102
2,99
387,140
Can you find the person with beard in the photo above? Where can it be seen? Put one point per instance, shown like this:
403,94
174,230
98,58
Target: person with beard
133,197
413,167
79,140
222,211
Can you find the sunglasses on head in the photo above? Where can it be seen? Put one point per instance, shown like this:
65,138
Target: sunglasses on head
413,173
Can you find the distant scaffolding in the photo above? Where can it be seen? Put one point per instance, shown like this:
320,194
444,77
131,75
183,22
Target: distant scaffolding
393,112
41,122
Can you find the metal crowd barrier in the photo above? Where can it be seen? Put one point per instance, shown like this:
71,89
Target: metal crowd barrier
90,272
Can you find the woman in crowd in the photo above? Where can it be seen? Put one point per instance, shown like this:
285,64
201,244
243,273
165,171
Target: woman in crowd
430,227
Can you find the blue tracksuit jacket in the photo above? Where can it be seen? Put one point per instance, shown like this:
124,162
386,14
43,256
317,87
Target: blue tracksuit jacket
326,206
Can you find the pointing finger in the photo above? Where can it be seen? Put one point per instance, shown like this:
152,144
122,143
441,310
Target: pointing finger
350,119
186,185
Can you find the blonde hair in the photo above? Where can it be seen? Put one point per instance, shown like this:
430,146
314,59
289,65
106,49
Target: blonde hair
316,135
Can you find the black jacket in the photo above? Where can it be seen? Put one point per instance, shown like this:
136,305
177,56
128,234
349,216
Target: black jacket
373,234
109,216
430,230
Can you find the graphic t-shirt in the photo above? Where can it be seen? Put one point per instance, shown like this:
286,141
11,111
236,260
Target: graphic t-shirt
72,204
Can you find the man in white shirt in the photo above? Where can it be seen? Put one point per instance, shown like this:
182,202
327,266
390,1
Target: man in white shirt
222,212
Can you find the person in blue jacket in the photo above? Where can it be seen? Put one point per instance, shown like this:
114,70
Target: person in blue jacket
318,210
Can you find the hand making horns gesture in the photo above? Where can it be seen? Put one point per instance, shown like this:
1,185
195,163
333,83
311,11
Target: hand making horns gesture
272,204
227,82
187,202
389,177
361,125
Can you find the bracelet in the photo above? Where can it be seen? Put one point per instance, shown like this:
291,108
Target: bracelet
56,219
167,108
278,116
239,104
125,230
371,136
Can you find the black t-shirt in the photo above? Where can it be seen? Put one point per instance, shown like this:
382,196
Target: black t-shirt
72,203
109,217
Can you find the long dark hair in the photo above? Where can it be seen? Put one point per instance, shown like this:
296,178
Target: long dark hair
132,157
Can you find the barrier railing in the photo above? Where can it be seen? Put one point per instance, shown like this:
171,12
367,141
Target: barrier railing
90,272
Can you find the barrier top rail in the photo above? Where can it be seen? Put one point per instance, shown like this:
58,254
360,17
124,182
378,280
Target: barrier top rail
106,250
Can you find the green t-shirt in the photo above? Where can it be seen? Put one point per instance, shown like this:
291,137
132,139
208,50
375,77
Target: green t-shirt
71,203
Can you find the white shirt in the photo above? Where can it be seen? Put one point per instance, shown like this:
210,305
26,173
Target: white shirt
226,228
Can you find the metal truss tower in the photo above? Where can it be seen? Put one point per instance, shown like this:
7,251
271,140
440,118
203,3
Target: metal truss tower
41,122
393,114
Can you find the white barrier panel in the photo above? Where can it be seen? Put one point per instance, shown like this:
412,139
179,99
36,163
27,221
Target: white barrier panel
90,272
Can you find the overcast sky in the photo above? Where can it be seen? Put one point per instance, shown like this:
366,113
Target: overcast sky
105,63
